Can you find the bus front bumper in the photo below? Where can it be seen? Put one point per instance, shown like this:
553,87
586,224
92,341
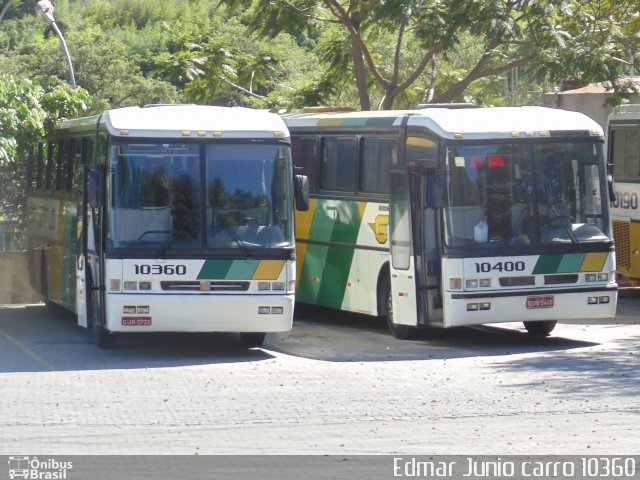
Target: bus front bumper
199,313
473,309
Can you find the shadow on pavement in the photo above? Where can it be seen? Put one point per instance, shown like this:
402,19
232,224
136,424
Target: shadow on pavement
590,373
35,338
330,335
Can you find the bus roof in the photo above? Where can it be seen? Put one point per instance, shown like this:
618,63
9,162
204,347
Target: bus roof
183,121
472,123
625,114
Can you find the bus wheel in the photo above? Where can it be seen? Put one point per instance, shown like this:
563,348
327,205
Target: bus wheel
97,334
252,339
543,328
401,332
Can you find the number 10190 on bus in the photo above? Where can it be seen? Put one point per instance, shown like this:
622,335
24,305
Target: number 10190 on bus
449,217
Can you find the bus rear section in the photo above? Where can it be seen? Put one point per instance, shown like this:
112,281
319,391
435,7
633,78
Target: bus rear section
623,145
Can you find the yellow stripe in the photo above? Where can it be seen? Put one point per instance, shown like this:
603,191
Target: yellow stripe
268,270
330,122
362,206
28,352
594,262
305,219
301,250
303,229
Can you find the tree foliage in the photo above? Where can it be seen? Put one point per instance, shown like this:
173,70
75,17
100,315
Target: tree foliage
555,39
294,53
27,112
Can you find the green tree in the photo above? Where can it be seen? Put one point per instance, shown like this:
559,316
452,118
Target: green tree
555,38
27,112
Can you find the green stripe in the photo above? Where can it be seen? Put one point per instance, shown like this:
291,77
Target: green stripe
380,122
570,263
242,270
559,263
547,264
228,269
314,261
334,222
215,269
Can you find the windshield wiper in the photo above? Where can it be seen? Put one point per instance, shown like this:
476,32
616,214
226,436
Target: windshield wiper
222,226
566,221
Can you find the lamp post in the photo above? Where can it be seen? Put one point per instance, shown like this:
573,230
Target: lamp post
44,8
4,9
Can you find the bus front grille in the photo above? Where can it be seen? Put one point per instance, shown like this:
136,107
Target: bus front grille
517,281
623,249
204,286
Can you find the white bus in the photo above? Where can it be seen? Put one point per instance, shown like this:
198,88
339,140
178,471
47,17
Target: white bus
175,218
451,217
623,139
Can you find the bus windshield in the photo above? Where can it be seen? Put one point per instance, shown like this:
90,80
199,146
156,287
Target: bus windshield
190,196
509,194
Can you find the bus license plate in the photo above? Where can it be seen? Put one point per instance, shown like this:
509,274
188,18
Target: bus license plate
544,301
136,321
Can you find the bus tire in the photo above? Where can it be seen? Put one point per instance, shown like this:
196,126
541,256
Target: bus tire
98,335
401,332
542,328
251,340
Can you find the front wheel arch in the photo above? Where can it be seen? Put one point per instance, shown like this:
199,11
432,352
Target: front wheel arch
385,309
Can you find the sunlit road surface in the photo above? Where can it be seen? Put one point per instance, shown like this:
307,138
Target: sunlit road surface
335,384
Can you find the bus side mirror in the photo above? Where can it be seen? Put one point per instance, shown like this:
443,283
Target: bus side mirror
301,192
612,188
95,188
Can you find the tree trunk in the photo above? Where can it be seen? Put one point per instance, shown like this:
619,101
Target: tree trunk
359,69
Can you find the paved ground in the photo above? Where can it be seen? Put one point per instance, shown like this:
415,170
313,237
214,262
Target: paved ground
336,384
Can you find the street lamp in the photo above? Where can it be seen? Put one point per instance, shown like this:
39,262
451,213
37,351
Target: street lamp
44,8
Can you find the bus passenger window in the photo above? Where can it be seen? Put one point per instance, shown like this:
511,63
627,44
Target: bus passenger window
377,155
51,155
338,164
625,149
304,151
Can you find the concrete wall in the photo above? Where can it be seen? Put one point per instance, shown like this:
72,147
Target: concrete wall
14,279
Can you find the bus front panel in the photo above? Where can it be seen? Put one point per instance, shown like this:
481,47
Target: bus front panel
235,295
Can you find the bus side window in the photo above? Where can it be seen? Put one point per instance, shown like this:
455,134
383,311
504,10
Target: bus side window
625,149
376,157
39,166
420,148
86,150
63,151
338,164
304,151
70,154
51,155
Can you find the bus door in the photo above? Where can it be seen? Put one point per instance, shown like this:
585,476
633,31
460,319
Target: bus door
81,249
427,200
80,187
404,294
